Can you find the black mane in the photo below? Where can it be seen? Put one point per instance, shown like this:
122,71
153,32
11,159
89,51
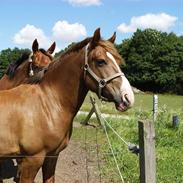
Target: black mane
15,64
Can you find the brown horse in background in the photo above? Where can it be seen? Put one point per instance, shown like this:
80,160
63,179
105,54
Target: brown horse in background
29,68
36,120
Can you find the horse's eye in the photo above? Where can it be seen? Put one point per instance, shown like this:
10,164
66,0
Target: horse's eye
100,62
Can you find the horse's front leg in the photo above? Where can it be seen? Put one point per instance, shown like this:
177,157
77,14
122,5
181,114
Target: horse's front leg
30,166
1,180
49,167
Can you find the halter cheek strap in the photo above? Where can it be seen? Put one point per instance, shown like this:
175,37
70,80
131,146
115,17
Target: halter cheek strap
102,82
31,72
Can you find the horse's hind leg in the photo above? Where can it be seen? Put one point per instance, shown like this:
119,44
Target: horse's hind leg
29,167
48,169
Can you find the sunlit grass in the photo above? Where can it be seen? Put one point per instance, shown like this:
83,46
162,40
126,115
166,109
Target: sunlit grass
143,102
169,141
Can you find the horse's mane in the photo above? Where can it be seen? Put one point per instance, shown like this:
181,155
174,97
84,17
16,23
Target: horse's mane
76,46
111,48
105,44
15,64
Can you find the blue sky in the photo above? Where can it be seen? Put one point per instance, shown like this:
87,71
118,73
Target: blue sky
66,21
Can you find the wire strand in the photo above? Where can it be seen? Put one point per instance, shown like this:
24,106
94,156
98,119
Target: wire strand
127,143
110,145
98,159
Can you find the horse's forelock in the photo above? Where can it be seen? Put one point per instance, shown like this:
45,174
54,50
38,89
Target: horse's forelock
109,47
46,53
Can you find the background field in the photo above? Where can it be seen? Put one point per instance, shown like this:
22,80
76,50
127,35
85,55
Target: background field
169,141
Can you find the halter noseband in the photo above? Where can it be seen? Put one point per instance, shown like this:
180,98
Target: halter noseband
102,82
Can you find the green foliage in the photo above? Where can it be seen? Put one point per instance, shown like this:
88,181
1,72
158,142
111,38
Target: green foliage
154,61
63,50
7,56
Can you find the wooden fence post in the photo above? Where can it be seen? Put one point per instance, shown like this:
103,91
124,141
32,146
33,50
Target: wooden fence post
147,159
95,110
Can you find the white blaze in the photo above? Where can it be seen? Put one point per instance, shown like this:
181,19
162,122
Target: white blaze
125,85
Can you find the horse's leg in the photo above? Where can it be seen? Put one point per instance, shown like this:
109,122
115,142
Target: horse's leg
30,166
48,169
1,162
17,178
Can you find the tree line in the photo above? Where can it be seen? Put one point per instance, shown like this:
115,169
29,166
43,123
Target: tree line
154,60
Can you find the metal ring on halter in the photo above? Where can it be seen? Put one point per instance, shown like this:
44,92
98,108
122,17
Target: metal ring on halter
102,83
86,67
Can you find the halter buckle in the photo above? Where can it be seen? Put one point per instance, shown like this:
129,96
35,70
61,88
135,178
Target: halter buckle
86,67
102,83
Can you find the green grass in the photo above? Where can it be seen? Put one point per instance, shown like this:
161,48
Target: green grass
143,102
169,141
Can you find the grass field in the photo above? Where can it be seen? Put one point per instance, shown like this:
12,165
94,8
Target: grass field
143,102
169,141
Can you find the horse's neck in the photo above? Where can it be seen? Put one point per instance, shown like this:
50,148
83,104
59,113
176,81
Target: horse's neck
20,77
66,80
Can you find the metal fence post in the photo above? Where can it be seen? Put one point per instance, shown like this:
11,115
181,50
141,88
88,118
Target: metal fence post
155,107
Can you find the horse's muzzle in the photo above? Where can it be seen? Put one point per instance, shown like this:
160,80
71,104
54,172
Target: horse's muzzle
124,101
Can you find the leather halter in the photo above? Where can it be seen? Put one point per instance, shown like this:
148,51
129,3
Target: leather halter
31,72
102,82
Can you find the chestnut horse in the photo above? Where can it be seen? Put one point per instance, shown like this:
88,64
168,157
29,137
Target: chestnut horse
36,120
29,68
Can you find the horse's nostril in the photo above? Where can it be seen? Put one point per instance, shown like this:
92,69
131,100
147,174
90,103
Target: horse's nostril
126,100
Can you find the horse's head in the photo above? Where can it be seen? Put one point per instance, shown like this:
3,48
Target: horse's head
40,58
103,74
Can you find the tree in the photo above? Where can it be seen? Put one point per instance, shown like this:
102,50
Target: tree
63,50
154,60
7,56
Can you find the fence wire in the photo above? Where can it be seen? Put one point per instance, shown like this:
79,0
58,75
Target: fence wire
110,145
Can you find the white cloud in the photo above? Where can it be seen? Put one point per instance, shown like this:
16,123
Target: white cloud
62,32
84,2
27,35
68,33
161,21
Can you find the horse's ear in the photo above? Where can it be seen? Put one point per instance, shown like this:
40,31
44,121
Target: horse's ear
96,37
113,38
35,46
52,48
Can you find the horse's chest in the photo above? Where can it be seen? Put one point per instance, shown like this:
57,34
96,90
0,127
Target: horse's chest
57,137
